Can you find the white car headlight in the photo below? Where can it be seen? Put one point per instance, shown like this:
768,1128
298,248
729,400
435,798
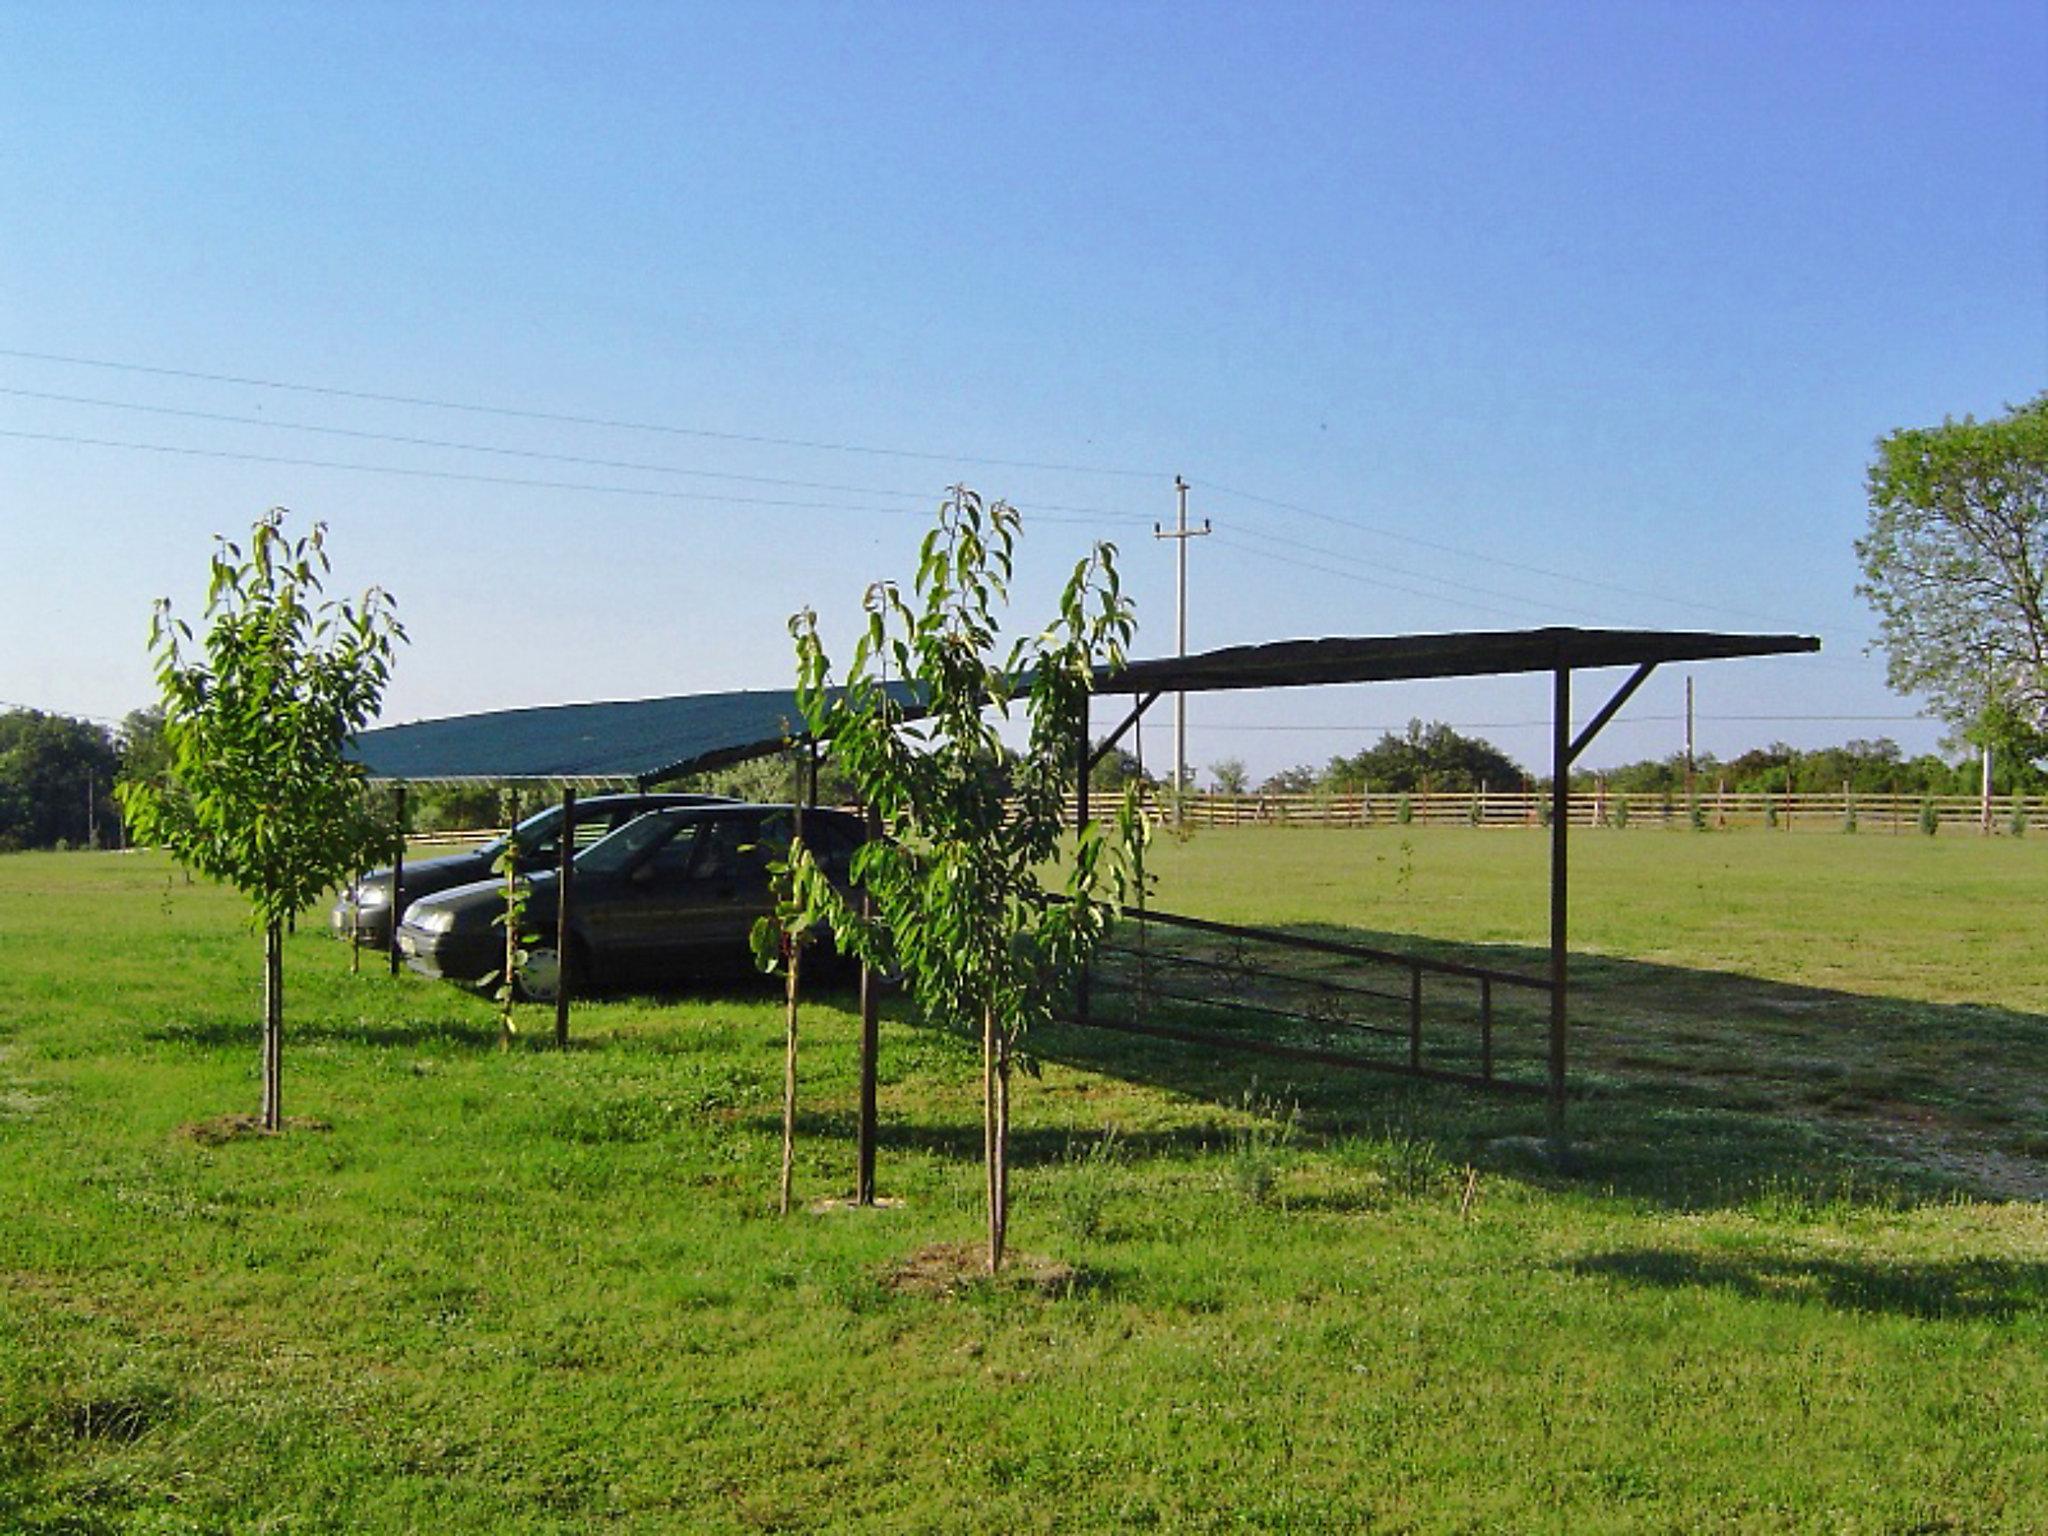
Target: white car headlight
368,896
432,920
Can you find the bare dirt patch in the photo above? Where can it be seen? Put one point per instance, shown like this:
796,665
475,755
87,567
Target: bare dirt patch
947,1269
225,1128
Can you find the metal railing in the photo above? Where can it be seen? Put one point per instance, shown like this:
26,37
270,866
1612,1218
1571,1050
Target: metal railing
1170,989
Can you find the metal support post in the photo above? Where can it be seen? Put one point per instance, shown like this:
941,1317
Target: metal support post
1560,827
397,882
870,1040
1085,760
565,881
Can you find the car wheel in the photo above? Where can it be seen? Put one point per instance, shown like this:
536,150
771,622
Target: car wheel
541,971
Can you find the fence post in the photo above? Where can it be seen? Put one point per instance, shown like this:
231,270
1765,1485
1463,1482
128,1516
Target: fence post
397,881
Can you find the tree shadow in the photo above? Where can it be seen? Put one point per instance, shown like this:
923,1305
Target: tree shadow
1029,1146
1689,1088
213,1032
1983,1289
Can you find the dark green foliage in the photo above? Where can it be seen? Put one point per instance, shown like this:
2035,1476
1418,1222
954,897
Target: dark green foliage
1930,819
254,788
1117,770
1425,757
1299,780
56,780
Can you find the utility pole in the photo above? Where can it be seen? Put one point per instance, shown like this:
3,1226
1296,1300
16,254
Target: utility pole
1689,791
1180,535
1984,794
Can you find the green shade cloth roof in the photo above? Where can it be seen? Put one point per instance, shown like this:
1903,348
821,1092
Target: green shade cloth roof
651,739
660,739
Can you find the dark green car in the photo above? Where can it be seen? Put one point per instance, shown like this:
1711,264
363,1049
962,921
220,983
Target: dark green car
364,909
668,899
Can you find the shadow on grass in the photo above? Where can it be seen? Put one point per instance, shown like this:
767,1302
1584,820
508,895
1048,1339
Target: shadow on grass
1030,1147
1991,1290
1690,1088
217,1031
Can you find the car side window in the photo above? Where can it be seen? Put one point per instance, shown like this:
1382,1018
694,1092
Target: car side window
672,860
831,845
731,849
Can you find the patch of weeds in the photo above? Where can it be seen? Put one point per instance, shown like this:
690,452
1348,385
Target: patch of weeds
1415,1169
1087,1181
1257,1146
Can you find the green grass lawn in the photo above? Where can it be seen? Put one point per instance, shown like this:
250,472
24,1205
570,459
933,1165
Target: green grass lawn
1796,1278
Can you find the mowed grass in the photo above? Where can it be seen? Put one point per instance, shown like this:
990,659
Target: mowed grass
1793,1281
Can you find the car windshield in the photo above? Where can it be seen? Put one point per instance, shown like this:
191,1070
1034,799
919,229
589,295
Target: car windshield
537,831
621,850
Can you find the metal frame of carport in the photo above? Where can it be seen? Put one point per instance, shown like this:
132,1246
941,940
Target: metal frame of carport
1557,651
573,742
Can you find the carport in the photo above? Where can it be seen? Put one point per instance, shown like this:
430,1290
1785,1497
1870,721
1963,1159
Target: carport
654,741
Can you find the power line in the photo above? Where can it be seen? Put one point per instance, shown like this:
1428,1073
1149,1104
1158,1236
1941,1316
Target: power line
517,453
1468,554
1462,586
569,419
522,482
1369,581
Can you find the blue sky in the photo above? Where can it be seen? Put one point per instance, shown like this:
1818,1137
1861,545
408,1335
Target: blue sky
1593,311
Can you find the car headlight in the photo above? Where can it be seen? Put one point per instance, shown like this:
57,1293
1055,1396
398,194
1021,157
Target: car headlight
368,896
433,920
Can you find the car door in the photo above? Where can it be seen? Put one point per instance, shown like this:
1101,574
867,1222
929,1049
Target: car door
725,890
629,919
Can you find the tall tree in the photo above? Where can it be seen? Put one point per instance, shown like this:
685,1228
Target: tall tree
1230,776
1429,756
255,790
1954,562
961,901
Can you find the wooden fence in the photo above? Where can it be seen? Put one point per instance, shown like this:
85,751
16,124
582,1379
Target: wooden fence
1711,809
1880,814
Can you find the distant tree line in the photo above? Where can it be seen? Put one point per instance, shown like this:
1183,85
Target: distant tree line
1867,767
57,776
1434,757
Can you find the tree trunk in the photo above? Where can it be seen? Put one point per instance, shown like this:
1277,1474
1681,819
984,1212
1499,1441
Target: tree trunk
1002,1221
796,952
995,1131
273,1026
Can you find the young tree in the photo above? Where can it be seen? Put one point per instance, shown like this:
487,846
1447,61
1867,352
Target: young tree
959,887
1955,562
255,790
1230,776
